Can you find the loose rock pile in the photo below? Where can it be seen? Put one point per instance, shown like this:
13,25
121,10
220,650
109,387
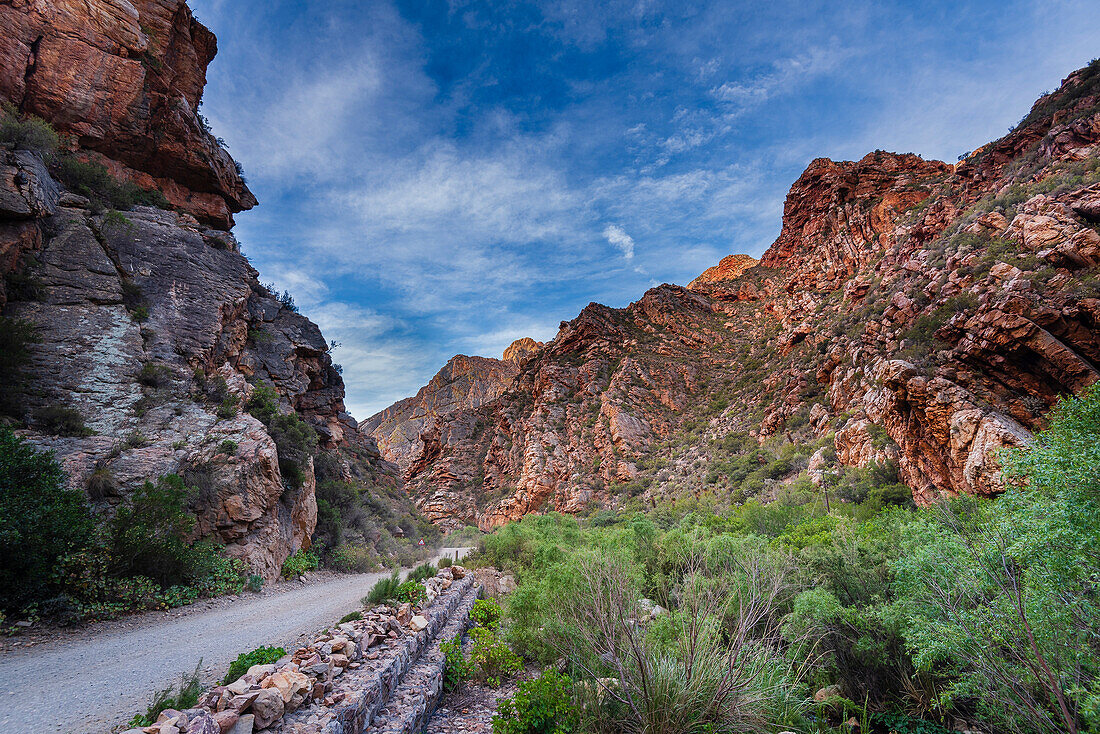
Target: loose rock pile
338,683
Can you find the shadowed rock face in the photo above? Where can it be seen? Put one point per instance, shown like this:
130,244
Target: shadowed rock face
922,313
151,327
463,383
125,80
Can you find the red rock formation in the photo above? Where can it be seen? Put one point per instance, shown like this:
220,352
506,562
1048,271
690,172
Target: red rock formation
929,314
125,80
463,383
729,268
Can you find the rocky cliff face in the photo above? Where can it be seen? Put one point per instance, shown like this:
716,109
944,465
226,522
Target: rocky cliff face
150,327
463,383
152,330
125,80
911,313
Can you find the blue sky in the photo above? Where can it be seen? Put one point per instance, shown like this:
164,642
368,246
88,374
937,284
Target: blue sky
442,177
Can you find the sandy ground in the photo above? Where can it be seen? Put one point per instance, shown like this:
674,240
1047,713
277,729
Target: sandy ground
92,680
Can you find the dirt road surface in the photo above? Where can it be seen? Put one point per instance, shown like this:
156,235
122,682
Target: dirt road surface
90,684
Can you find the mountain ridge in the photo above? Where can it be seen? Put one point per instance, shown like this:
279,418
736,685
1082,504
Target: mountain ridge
919,313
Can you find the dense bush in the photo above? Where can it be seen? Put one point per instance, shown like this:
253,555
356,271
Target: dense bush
384,590
103,190
244,661
296,442
149,535
299,563
41,522
456,668
543,705
412,592
58,420
26,133
491,660
486,613
16,338
421,572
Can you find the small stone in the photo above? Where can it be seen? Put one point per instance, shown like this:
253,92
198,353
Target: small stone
267,708
204,723
418,623
226,720
244,725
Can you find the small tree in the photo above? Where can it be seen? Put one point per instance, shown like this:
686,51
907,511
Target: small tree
41,521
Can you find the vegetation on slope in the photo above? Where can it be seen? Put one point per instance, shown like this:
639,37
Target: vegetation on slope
974,610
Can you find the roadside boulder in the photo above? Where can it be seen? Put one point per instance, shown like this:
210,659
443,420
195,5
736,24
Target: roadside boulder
268,707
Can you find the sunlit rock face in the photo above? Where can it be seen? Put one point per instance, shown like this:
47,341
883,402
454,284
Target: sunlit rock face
920,313
463,383
124,79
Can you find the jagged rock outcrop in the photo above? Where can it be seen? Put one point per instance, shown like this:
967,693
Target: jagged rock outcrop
916,312
151,328
728,268
463,383
125,78
148,327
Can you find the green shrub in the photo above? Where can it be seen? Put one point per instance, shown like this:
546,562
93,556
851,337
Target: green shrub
445,562
61,421
227,409
23,283
456,668
228,447
412,592
154,375
297,564
103,190
486,613
263,404
295,442
182,696
543,705
149,536
29,133
41,521
16,338
255,583
350,617
244,661
384,590
491,660
421,572
350,557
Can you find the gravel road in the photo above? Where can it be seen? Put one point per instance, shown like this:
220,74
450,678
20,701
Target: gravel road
91,684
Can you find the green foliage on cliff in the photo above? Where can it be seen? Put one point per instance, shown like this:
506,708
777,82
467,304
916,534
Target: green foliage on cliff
55,562
41,521
16,338
103,190
25,132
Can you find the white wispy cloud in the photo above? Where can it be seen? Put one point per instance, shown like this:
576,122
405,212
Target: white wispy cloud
619,239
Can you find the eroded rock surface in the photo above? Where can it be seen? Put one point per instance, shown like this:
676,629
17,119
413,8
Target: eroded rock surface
926,315
125,79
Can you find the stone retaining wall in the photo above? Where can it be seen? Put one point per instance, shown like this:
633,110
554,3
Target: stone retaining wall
360,709
342,681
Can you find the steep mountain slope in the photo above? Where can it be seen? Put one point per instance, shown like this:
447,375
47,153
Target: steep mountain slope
155,349
464,382
912,317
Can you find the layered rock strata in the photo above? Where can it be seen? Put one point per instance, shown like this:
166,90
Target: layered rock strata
918,312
